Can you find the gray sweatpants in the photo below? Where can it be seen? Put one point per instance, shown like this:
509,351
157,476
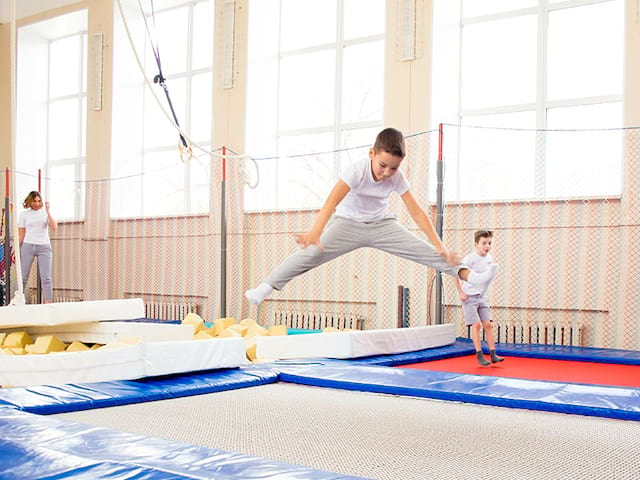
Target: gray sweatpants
343,235
45,259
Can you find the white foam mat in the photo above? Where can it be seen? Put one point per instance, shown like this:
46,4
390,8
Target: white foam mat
127,362
355,344
109,332
71,312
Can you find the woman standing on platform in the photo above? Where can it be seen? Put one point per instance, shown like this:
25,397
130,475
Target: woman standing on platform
33,237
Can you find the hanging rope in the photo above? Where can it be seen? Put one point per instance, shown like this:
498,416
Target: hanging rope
160,78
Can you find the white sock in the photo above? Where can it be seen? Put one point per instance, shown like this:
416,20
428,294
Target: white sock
257,295
482,280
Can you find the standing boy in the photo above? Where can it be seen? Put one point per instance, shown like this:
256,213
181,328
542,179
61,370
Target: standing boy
474,299
360,200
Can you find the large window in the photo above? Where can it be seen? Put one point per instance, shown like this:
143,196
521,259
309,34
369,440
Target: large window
52,105
521,76
153,176
315,86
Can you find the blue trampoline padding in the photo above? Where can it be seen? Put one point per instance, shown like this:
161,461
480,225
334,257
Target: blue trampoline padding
48,399
593,400
32,446
464,346
456,349
562,352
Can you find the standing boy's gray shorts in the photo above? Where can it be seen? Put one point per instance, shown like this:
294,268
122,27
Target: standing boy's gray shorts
476,309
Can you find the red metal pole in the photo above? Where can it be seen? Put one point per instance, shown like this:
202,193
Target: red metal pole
38,281
7,238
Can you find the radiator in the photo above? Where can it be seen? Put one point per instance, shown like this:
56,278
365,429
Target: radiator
570,334
318,320
65,298
170,310
62,295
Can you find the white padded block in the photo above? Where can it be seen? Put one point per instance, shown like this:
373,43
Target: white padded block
162,358
355,344
306,345
128,362
71,312
400,340
121,363
109,332
125,363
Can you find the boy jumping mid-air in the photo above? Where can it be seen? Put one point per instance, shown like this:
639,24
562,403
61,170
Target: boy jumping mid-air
355,215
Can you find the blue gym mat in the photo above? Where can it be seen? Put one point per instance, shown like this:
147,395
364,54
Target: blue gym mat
33,446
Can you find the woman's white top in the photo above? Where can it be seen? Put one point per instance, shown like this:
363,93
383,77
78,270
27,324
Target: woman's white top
36,225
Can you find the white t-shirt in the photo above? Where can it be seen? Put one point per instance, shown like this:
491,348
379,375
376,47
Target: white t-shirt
368,200
478,264
36,225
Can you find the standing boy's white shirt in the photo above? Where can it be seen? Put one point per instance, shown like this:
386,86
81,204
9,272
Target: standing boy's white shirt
36,225
479,264
368,200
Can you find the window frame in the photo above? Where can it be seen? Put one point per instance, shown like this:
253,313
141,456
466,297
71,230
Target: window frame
146,152
339,128
79,161
542,104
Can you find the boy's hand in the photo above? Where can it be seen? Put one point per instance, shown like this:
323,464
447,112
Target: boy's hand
463,297
46,206
309,238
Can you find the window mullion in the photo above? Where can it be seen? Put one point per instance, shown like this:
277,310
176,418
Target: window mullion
188,103
338,82
81,132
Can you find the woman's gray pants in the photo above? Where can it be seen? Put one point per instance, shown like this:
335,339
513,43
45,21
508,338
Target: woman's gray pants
45,259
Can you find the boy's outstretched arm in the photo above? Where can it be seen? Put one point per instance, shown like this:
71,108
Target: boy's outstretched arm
463,296
336,195
422,220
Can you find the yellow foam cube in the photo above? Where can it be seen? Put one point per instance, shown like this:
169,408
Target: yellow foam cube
221,324
248,322
255,331
195,321
251,348
330,330
76,346
277,330
46,344
203,335
229,333
121,343
241,329
17,339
